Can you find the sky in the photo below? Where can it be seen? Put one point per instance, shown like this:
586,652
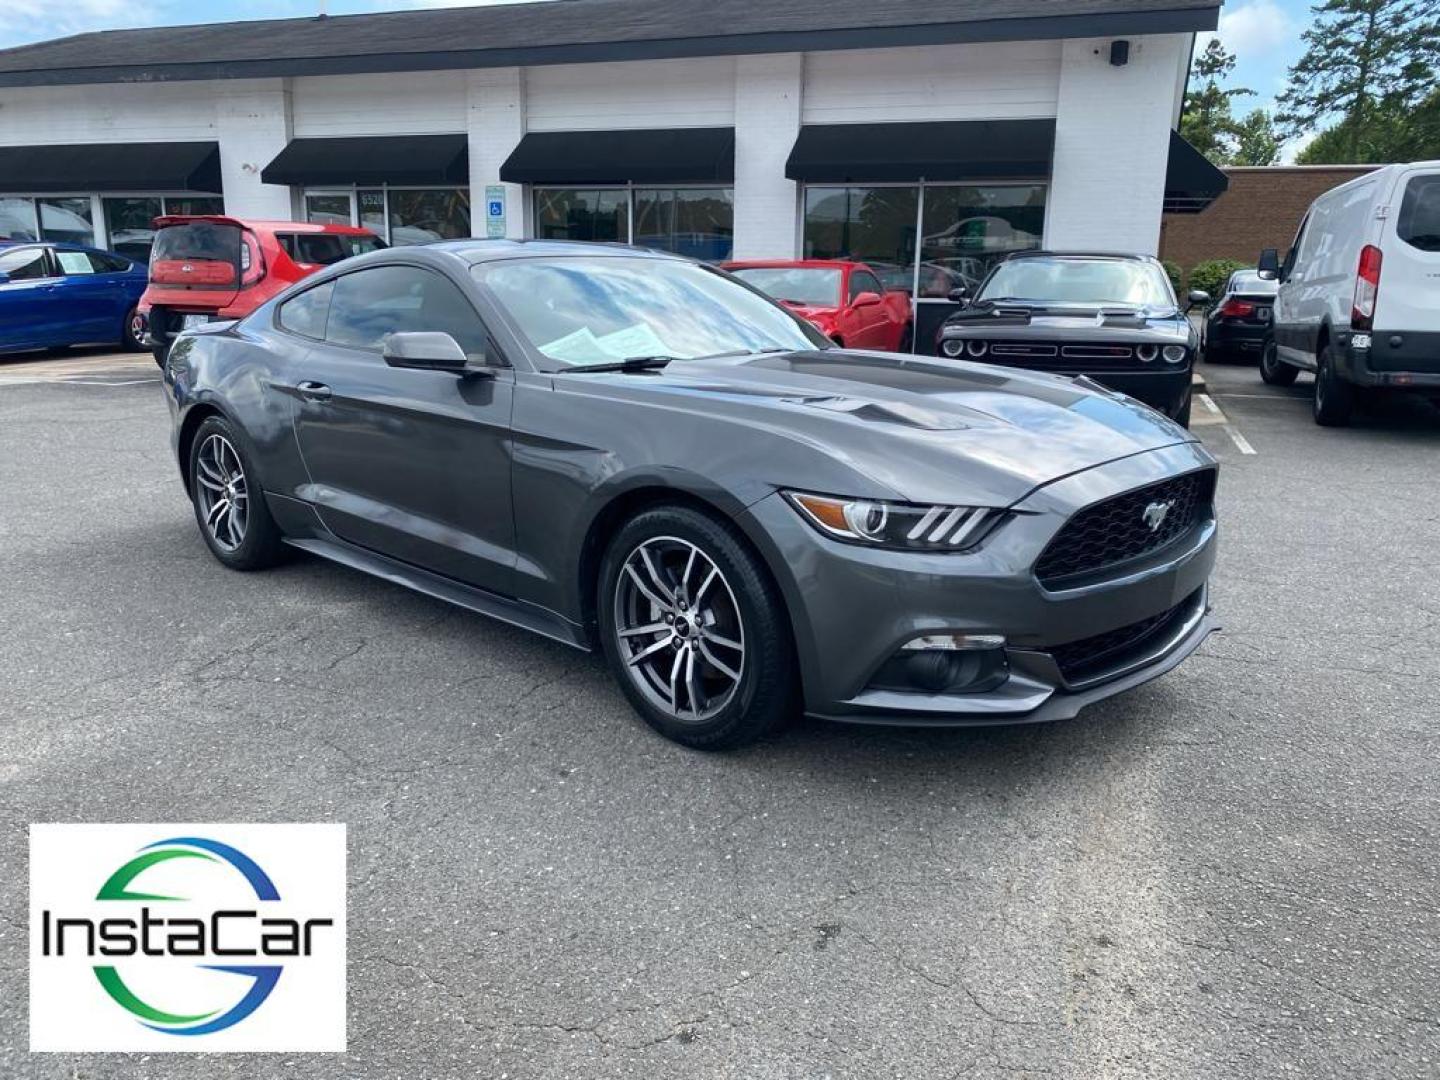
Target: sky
1264,34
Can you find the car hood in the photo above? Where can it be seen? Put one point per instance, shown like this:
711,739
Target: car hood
1114,323
927,429
813,312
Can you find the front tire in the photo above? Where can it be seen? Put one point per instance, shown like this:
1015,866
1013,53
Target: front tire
907,339
132,333
1273,370
229,503
694,630
1334,397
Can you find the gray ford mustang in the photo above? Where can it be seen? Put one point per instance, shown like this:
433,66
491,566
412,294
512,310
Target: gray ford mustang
626,450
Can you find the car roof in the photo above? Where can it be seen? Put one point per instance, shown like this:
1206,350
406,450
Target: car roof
60,245
1119,256
263,224
480,251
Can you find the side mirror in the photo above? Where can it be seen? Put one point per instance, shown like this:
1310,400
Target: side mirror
426,350
960,295
1199,298
1269,264
866,299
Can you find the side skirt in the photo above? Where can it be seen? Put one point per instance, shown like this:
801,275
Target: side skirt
515,612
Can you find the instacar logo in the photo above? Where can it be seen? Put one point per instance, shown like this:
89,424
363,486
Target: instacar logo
184,943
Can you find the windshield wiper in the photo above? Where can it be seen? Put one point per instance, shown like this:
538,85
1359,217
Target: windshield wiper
630,363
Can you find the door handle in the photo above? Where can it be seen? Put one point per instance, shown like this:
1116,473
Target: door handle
314,391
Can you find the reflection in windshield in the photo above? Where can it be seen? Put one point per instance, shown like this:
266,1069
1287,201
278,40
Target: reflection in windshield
600,310
1079,281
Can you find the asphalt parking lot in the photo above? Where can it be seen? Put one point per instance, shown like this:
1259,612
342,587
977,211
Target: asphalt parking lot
1230,872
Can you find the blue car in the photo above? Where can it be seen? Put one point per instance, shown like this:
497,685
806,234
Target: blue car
53,295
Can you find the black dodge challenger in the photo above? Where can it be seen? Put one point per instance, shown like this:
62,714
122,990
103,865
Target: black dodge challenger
1111,317
632,452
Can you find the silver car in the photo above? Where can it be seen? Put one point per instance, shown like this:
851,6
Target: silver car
635,453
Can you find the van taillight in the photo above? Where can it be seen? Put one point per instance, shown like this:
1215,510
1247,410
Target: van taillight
1367,289
252,263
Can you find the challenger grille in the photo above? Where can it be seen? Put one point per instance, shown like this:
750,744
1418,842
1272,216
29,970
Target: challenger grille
1023,350
1060,357
1118,530
1093,657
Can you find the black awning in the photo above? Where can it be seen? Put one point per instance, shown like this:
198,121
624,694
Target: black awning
666,155
1191,182
929,150
372,159
170,166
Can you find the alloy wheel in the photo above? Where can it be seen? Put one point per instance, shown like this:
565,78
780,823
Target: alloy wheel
136,327
678,627
221,492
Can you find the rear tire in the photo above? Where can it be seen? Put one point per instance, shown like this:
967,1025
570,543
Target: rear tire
1273,370
132,332
695,631
1334,397
229,500
907,339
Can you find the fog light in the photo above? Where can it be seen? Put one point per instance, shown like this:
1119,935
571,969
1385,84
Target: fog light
952,347
945,664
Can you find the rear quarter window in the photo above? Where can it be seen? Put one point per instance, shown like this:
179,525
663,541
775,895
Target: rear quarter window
1419,221
307,313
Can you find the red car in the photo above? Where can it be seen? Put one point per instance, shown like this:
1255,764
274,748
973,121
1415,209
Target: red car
844,299
213,267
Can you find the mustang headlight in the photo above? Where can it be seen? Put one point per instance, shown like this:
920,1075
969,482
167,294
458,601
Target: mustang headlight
897,525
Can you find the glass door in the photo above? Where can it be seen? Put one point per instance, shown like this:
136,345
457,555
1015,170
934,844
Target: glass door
330,207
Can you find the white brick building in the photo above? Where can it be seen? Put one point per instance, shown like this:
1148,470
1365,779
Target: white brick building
925,136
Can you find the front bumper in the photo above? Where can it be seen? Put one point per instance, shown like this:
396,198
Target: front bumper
1237,336
852,607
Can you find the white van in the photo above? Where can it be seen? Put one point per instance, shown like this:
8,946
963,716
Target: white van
1359,299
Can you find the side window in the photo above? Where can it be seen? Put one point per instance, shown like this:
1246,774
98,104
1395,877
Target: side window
861,282
106,263
1419,222
1289,265
306,314
24,264
74,262
370,304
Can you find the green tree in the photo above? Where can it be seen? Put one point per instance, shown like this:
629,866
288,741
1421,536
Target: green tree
1206,122
1256,140
1392,132
1367,63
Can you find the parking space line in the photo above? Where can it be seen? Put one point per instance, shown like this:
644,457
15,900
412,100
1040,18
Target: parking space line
1241,443
1209,403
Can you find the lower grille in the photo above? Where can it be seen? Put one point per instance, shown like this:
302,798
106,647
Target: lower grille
1093,657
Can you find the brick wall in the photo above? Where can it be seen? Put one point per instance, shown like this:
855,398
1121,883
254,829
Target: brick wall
1262,209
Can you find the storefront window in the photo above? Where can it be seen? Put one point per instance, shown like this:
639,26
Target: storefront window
128,223
697,222
328,208
66,220
875,225
417,217
372,211
196,205
968,229
573,214
17,220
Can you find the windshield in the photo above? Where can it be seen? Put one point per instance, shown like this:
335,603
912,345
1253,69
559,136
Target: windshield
1079,281
811,286
584,311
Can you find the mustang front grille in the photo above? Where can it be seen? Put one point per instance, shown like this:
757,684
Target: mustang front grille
1126,527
